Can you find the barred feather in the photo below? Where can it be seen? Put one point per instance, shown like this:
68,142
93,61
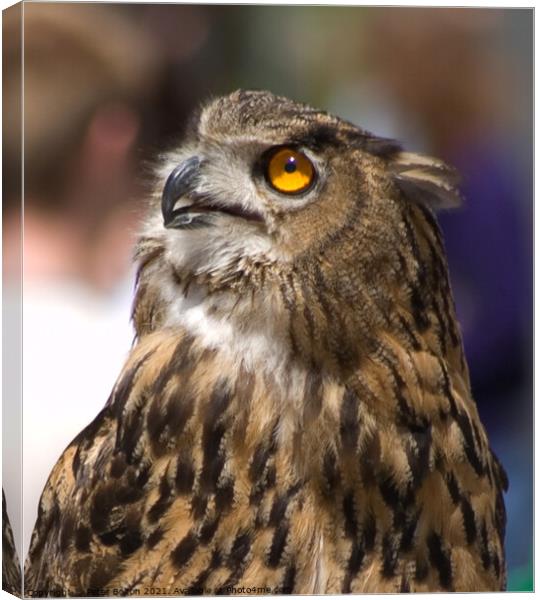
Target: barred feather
296,415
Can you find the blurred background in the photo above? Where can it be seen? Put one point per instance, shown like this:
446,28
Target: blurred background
109,87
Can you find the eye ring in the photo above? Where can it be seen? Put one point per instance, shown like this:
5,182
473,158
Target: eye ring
289,171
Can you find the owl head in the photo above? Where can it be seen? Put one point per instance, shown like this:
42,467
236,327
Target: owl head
273,215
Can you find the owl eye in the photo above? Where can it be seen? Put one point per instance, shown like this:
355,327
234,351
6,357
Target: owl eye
289,171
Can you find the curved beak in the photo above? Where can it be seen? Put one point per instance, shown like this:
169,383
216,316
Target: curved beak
180,182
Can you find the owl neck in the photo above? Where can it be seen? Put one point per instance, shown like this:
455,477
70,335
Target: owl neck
334,311
306,318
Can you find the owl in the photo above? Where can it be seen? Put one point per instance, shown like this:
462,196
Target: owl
296,414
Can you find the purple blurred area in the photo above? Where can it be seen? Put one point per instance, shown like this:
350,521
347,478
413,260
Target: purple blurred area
108,87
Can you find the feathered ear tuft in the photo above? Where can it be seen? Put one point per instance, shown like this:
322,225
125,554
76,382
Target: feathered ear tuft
426,180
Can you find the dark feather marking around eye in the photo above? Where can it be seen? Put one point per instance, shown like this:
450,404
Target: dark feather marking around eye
317,137
336,133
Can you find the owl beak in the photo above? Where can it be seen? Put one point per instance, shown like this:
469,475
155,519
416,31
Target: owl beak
180,182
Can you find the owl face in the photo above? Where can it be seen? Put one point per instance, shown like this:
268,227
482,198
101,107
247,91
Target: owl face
261,178
282,228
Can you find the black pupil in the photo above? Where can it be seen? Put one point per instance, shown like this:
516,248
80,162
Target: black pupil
290,165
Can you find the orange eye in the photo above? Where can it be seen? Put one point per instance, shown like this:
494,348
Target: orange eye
289,171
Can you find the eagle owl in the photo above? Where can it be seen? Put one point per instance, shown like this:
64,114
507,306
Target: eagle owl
296,414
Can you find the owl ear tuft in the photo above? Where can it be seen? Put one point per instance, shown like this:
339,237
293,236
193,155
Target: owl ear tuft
426,180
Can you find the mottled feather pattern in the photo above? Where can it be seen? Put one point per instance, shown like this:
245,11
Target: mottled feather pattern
320,436
11,568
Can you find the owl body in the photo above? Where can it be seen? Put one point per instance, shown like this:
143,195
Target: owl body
296,415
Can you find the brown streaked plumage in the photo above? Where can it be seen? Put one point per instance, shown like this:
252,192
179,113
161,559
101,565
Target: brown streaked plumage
296,414
11,568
